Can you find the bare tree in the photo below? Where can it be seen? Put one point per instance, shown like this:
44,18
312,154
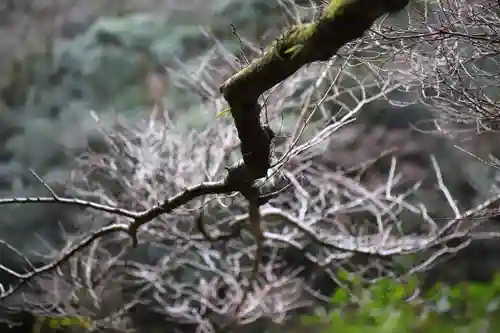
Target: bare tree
227,265
451,49
447,51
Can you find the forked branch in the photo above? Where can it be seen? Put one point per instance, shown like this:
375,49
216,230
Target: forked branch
341,22
234,182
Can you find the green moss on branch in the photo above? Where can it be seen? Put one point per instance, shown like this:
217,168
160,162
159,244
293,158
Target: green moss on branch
341,21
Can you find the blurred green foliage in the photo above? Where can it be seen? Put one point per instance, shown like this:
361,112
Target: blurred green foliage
390,306
67,323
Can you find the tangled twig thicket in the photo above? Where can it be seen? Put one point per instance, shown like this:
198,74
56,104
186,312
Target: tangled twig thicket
206,270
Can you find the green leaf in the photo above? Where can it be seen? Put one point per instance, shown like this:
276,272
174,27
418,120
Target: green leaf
66,321
294,50
344,275
54,323
337,322
225,112
310,320
84,322
341,296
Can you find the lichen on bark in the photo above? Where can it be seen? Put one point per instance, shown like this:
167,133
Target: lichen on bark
341,21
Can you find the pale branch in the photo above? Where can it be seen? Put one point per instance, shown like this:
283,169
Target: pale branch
341,22
237,180
200,224
207,188
64,256
139,218
71,202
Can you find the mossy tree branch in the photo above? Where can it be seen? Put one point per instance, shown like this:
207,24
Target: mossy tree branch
340,22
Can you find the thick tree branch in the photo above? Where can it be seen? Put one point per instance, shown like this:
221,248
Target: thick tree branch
237,180
341,22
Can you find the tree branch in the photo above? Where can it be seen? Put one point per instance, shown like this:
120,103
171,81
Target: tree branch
237,180
138,219
341,21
